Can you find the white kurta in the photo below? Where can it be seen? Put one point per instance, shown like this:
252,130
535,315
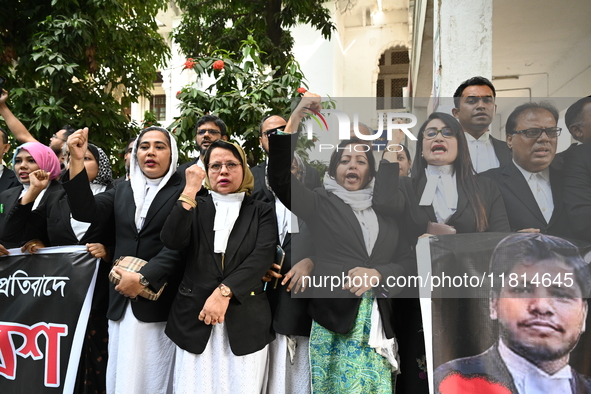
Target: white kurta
140,356
217,370
285,376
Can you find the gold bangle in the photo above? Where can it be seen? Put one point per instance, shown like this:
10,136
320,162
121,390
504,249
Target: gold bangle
188,200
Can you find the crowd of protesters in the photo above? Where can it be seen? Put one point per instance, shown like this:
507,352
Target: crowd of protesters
212,231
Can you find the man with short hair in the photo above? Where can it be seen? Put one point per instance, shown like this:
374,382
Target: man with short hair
539,324
127,158
578,122
531,184
209,129
475,109
58,141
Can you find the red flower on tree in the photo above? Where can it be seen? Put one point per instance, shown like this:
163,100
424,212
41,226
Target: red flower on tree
218,65
189,63
302,90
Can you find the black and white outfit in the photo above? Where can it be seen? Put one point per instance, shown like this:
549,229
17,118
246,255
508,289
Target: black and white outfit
503,368
345,236
140,354
289,366
9,199
487,152
577,191
439,197
52,223
533,200
228,239
8,178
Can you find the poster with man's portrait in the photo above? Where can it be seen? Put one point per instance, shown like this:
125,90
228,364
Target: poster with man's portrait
507,313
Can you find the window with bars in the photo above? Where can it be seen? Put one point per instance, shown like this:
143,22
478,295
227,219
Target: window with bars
396,85
399,57
393,77
380,92
158,106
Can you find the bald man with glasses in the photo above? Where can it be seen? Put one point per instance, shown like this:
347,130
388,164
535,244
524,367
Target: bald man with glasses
531,184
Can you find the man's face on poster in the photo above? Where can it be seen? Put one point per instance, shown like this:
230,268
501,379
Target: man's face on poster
540,323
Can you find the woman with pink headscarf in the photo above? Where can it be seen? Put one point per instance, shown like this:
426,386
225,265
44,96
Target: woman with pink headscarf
27,158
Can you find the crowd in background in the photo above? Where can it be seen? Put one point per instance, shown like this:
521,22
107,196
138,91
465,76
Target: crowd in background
210,230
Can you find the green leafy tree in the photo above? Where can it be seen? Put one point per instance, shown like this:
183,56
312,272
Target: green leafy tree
209,25
244,92
80,62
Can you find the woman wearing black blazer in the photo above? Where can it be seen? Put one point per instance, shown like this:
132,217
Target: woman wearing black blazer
51,224
221,318
140,354
352,221
444,188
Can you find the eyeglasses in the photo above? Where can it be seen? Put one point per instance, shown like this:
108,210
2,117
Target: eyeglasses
230,166
210,131
58,138
432,132
534,132
274,131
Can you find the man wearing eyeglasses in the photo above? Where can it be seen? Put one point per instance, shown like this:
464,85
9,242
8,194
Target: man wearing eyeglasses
475,109
531,184
209,129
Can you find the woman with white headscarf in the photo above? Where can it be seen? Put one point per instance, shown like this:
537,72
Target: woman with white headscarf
221,318
355,232
140,354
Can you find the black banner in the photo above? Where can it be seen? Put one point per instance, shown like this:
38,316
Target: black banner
45,302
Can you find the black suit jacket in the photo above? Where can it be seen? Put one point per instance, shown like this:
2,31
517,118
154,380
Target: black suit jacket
577,191
522,208
565,153
8,180
491,366
290,314
8,199
183,167
164,265
261,191
502,151
250,252
416,217
338,237
339,246
181,171
50,223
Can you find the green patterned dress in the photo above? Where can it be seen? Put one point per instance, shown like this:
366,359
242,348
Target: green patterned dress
345,363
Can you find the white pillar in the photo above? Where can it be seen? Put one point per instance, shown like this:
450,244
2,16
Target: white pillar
464,44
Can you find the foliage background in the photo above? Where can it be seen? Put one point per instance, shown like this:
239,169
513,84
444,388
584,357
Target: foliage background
82,62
